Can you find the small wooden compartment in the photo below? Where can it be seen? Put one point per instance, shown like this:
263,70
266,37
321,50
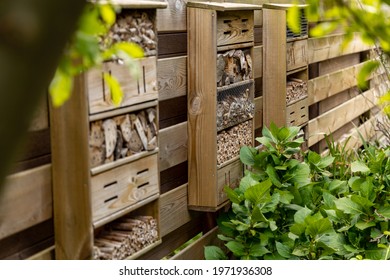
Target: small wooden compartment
220,98
124,188
285,68
234,27
129,236
141,88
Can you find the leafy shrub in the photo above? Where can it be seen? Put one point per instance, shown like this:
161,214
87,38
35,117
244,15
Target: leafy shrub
322,207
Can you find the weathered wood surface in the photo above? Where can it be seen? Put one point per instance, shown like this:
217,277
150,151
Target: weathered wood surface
124,186
330,84
337,117
328,47
234,27
195,251
173,146
173,210
26,200
172,77
258,61
275,63
71,194
202,98
258,112
296,54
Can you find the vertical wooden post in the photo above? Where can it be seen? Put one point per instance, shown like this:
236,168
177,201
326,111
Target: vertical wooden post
71,180
274,61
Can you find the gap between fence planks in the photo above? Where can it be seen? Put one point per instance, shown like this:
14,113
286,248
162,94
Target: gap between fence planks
330,84
337,117
328,47
26,200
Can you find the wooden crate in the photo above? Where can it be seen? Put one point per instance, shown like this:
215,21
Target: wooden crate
220,34
285,63
98,175
136,90
131,235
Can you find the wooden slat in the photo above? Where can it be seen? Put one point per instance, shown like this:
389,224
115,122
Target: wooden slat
46,254
274,79
330,84
258,61
172,44
328,47
173,177
40,120
258,112
172,111
173,145
71,180
338,63
195,251
173,210
337,117
26,200
172,77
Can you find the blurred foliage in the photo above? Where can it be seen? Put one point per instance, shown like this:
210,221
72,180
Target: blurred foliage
90,47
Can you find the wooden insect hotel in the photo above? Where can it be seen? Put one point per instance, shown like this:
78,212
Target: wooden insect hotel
285,68
220,98
105,157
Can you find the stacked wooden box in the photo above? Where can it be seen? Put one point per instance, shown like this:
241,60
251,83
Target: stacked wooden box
285,68
115,172
220,98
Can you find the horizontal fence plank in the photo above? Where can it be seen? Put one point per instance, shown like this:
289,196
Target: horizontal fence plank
258,112
328,47
337,117
258,61
195,251
173,145
172,77
26,200
330,84
173,210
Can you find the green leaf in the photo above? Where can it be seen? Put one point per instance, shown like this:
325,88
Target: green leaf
364,225
326,161
259,193
232,195
60,88
300,215
131,49
115,89
236,248
384,211
224,238
107,13
365,72
258,250
298,229
258,216
271,172
247,155
293,18
319,227
283,250
358,166
285,196
348,206
214,253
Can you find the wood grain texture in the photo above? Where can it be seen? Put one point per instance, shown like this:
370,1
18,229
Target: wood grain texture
124,186
234,27
258,62
173,210
338,63
325,86
201,108
195,251
337,117
296,54
172,77
71,194
328,47
173,146
258,112
26,200
274,67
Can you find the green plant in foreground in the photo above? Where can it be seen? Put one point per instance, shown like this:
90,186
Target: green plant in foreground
289,209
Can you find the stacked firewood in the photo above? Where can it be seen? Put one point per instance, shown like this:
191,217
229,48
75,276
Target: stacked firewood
233,66
136,26
122,136
296,89
233,109
231,140
124,237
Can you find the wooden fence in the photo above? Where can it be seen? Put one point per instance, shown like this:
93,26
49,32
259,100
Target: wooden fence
336,106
